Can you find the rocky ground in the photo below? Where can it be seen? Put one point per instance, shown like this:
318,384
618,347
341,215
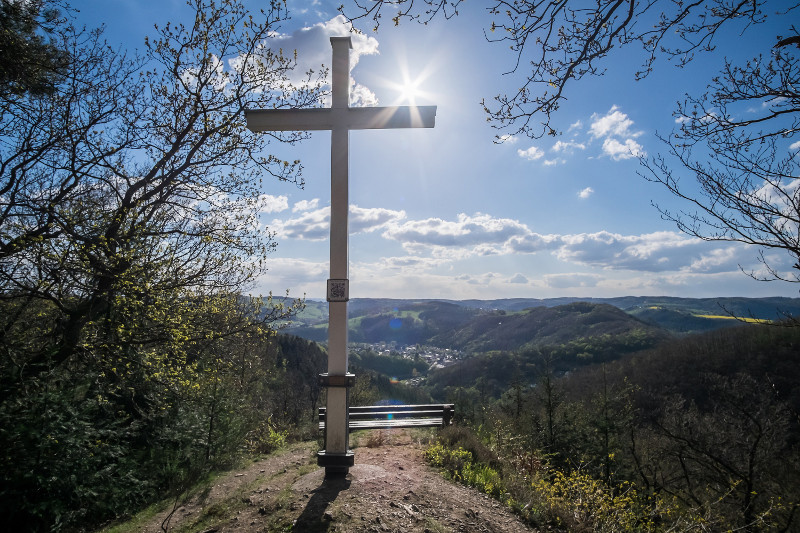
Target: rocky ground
390,488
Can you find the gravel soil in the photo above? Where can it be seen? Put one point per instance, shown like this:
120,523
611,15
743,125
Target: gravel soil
390,488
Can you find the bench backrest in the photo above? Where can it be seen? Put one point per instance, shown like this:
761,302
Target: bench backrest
416,415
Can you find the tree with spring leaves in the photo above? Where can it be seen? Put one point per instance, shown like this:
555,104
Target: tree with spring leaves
130,192
30,60
737,176
135,184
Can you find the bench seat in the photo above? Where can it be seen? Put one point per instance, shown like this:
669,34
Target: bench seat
396,416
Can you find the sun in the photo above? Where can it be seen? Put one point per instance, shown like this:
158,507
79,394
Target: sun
411,83
410,88
409,91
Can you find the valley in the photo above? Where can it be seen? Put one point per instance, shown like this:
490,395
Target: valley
445,343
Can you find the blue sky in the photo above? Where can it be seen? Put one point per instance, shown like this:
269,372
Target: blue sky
449,213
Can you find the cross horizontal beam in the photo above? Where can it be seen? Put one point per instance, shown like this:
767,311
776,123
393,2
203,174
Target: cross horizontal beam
351,118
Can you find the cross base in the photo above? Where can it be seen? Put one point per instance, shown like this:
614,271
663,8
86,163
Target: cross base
336,464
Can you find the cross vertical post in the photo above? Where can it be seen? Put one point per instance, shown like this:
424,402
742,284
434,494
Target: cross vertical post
337,457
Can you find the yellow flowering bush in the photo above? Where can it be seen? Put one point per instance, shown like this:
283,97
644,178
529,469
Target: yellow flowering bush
581,503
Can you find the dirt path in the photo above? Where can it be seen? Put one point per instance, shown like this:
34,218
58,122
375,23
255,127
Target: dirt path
389,489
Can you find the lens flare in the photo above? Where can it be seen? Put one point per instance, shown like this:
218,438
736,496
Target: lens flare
412,85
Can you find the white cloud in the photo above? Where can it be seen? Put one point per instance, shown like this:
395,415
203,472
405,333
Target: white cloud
531,242
567,147
507,138
651,252
298,275
533,153
618,151
371,219
310,226
586,193
615,128
313,48
624,263
782,196
613,123
405,263
368,280
361,96
273,204
571,280
658,263
467,231
705,119
315,225
720,259
794,146
305,205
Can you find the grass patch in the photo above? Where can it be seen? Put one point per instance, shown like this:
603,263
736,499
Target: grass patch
749,320
216,513
434,526
138,522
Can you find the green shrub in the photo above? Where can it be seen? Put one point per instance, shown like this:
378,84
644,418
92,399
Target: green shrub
574,501
465,438
582,503
266,438
458,465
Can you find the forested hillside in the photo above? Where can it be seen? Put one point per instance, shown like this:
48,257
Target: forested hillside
418,321
548,326
703,431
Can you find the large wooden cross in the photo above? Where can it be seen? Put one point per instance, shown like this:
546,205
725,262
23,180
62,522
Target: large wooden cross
340,118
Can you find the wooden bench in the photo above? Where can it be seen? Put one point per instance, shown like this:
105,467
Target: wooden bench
397,416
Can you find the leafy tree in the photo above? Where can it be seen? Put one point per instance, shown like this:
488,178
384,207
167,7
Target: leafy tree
135,185
129,202
30,62
742,168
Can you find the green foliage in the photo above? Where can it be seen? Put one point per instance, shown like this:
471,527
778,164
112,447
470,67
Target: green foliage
129,363
567,499
31,57
455,323
553,326
697,435
578,502
393,365
266,439
458,465
492,372
462,437
372,388
101,438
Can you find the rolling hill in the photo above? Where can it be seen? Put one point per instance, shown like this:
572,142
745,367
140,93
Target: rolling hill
504,324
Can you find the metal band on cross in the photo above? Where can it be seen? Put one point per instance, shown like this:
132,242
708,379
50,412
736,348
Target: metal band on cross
340,118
